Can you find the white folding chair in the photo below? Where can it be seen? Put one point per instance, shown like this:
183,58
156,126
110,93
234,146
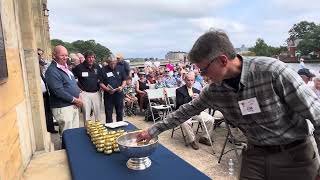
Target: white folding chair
157,94
171,94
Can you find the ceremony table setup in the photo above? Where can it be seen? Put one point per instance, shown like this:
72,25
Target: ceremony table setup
86,162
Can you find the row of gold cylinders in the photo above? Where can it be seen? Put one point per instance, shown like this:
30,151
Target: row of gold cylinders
104,140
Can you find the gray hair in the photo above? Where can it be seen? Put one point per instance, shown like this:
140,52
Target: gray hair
316,78
210,45
110,58
190,74
73,56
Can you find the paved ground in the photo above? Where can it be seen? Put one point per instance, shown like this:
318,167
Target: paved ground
202,159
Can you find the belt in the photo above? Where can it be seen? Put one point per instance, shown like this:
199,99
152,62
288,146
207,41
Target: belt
91,91
280,148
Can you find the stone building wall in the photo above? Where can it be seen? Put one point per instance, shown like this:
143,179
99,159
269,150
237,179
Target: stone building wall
22,120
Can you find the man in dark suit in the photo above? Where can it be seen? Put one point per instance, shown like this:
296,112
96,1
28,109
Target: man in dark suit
184,95
46,99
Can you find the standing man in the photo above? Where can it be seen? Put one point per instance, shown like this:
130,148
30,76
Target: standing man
64,91
112,81
81,57
265,99
124,64
46,98
87,74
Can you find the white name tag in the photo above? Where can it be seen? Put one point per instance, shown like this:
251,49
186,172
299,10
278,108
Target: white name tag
249,106
85,74
109,74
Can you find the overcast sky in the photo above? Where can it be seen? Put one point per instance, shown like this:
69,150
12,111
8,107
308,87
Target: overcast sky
150,28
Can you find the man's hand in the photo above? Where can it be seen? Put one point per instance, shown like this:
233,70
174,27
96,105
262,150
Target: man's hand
119,89
111,91
195,95
78,102
144,135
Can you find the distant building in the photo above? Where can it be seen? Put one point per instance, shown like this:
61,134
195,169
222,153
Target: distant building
292,47
242,50
176,55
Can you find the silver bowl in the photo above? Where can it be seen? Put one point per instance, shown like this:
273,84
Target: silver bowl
137,154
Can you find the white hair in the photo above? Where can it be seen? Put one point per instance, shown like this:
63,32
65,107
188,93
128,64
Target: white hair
316,78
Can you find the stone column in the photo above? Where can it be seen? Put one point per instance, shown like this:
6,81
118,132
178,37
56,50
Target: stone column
29,46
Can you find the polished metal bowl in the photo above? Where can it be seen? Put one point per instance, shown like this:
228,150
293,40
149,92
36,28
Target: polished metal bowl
137,153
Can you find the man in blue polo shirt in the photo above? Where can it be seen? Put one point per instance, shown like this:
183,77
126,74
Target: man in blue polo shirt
64,91
112,81
87,74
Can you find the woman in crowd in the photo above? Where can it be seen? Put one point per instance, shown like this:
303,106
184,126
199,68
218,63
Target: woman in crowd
141,86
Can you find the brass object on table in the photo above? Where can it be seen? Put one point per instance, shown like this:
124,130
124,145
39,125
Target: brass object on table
103,139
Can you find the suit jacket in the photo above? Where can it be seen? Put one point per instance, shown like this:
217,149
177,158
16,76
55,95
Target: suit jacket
182,95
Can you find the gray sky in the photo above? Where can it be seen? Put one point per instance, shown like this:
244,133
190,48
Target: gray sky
144,28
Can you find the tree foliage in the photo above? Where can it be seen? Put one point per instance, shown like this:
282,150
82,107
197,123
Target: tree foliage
83,46
261,48
310,42
299,30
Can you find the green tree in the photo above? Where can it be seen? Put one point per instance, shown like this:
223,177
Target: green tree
299,30
261,48
83,46
56,42
310,42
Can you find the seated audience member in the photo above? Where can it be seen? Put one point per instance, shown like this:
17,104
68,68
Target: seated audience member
160,82
170,80
184,95
316,85
306,75
130,93
141,86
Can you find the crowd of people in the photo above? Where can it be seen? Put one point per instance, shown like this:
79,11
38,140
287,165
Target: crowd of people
275,108
75,83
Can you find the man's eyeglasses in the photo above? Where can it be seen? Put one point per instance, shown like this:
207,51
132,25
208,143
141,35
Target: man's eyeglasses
203,71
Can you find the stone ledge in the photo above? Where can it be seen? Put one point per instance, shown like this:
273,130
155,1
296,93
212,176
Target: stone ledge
49,166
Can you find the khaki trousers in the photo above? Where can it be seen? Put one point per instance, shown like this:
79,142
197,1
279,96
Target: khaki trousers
188,131
91,100
67,117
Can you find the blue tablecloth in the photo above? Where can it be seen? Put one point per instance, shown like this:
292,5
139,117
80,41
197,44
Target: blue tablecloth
87,164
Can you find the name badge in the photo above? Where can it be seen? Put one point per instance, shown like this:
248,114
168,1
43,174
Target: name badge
85,74
109,74
249,106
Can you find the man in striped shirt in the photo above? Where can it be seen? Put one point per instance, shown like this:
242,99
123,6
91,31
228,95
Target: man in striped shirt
265,99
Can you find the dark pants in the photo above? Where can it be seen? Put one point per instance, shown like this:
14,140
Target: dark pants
48,113
295,162
113,100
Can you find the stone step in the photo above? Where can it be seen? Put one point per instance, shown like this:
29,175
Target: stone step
50,166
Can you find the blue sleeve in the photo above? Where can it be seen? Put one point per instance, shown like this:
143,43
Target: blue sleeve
55,85
124,75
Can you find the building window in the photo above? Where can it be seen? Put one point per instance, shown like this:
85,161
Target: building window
3,60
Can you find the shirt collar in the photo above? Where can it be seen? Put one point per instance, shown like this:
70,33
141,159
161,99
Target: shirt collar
61,66
248,65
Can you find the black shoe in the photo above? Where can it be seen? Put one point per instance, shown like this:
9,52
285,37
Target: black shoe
194,145
236,142
53,131
204,141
